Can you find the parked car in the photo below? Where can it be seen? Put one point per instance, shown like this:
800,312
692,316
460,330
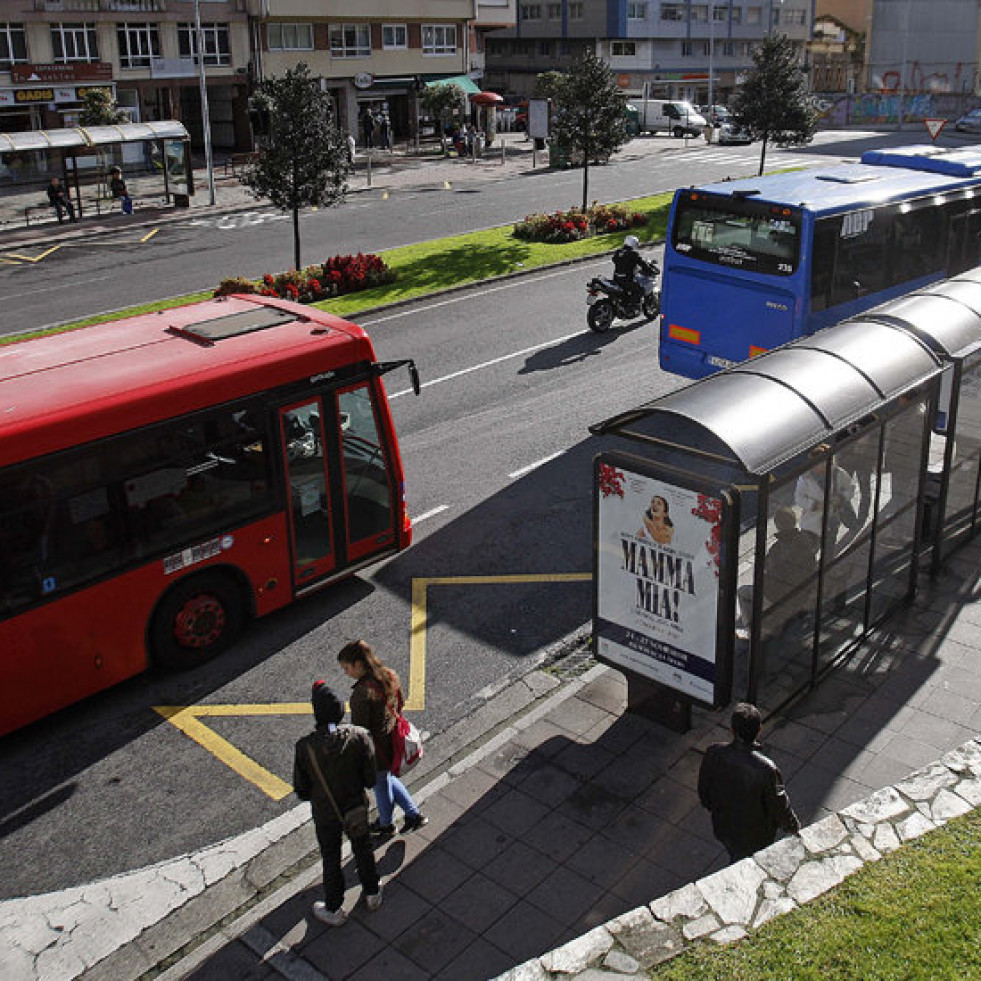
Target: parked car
970,122
730,134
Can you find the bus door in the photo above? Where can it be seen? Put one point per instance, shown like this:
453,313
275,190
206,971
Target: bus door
366,462
308,479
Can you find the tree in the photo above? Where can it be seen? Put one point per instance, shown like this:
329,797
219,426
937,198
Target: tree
302,158
589,119
441,102
773,103
99,108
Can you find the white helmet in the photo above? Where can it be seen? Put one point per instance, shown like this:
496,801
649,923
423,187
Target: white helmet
632,242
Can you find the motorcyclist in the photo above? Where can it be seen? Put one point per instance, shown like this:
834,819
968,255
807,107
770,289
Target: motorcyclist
626,262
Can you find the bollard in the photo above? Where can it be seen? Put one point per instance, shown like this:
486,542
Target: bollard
502,150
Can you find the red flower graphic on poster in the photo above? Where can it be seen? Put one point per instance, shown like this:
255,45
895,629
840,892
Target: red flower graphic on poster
710,509
610,480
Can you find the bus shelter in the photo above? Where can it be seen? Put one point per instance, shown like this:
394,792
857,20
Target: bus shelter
947,317
81,157
753,527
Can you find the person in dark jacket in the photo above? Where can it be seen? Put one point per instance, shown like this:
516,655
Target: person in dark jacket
346,759
627,261
743,789
60,200
376,701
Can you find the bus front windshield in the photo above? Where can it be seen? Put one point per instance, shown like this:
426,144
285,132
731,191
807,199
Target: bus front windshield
737,232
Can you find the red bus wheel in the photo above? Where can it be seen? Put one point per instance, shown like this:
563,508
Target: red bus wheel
195,621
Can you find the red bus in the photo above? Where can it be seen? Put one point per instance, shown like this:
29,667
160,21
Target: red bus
166,477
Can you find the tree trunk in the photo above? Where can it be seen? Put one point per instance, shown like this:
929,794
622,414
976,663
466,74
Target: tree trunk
763,154
585,176
296,239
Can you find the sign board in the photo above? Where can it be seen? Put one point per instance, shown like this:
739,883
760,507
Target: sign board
656,578
363,80
94,71
538,118
934,126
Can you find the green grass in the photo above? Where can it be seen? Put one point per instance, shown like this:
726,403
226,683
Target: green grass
441,264
913,916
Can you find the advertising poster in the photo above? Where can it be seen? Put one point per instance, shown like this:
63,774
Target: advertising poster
657,579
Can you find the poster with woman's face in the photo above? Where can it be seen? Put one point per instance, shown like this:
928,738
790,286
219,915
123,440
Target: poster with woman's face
657,579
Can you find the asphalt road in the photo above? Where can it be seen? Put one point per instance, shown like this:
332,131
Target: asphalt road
97,275
498,468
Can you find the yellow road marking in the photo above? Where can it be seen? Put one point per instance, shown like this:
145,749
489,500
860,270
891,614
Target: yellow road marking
187,718
32,258
416,700
149,235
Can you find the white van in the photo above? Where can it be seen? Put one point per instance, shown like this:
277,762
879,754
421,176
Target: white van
672,115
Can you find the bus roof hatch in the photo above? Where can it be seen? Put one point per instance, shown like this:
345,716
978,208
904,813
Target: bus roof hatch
235,324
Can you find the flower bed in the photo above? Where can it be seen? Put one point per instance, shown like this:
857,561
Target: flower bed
338,275
575,224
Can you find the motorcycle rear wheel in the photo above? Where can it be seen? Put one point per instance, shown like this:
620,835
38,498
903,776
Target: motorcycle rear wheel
652,305
600,316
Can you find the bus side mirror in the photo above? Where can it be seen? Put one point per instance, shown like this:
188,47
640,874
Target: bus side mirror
414,376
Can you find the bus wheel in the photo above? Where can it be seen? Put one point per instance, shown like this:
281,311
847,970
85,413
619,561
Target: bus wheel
678,132
195,621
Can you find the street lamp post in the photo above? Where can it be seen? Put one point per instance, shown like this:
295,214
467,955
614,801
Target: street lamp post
205,115
711,12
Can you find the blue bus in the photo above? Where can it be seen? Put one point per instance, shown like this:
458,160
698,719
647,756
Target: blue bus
751,264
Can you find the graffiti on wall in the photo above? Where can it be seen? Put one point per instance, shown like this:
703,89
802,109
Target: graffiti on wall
884,108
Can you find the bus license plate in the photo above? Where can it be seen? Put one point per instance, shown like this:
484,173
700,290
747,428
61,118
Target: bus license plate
718,362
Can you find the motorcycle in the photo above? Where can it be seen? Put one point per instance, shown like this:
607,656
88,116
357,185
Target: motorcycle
607,300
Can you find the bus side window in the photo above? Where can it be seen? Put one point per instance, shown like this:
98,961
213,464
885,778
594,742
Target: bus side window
863,259
823,263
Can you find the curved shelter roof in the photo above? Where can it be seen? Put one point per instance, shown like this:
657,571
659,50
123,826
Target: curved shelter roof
89,136
766,411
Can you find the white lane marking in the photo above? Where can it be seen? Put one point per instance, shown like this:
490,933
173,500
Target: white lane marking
535,465
431,513
467,295
487,364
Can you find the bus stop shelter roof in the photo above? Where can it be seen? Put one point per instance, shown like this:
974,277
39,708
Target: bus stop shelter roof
766,411
948,321
91,136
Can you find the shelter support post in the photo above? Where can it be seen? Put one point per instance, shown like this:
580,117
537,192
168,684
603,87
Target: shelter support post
657,703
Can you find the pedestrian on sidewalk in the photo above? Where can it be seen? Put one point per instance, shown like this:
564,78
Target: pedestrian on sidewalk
376,702
332,768
743,789
118,189
60,201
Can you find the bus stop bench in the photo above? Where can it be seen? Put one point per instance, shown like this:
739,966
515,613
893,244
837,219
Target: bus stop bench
36,210
238,161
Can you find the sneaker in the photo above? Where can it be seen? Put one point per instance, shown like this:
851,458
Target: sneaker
382,831
414,822
373,900
332,917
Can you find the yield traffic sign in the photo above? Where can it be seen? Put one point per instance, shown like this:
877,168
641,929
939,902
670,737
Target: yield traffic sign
934,126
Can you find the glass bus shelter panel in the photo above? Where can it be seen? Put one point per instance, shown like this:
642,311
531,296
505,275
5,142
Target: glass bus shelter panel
896,522
960,513
367,483
791,565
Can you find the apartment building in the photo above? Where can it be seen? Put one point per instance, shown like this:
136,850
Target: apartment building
144,50
378,53
671,48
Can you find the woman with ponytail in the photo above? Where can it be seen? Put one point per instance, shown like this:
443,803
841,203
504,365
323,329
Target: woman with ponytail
376,701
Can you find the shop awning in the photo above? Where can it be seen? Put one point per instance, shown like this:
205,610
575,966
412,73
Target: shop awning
68,139
469,86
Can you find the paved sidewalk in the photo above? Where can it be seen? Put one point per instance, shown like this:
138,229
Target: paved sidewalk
577,812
